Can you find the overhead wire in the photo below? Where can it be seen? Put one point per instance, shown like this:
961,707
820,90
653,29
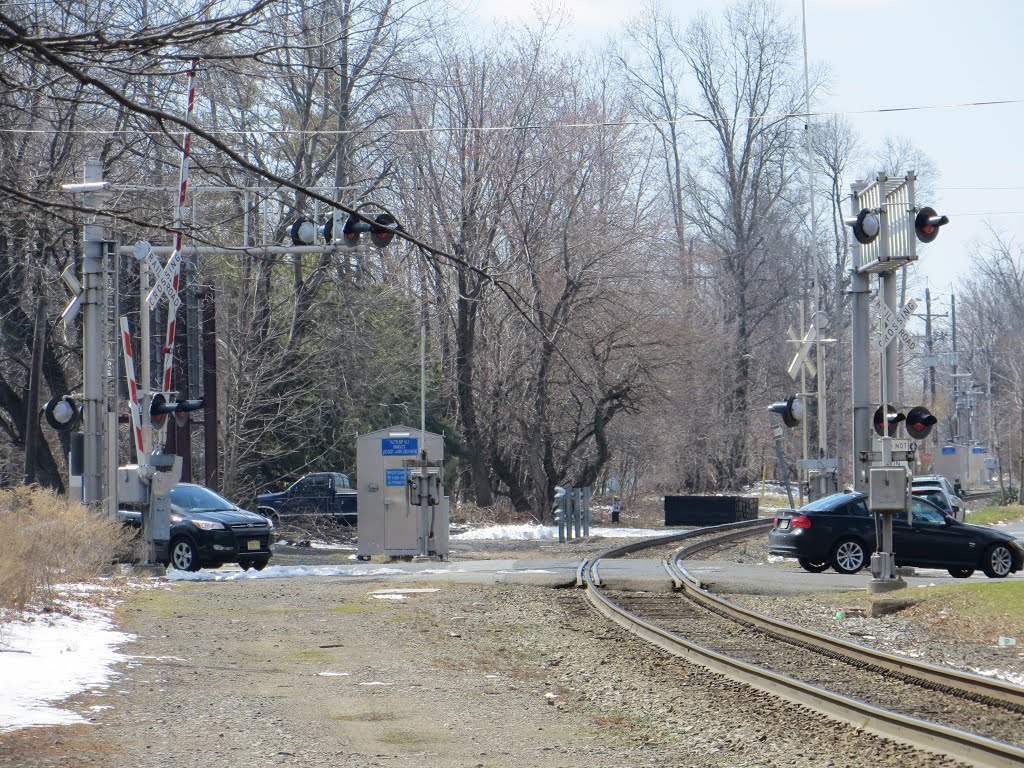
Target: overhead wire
689,119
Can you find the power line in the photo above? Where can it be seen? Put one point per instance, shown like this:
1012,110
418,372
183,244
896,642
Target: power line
980,189
989,213
691,119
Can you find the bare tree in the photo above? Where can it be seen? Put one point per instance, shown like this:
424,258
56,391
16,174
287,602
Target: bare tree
747,91
651,62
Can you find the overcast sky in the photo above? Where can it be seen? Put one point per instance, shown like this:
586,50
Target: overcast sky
885,54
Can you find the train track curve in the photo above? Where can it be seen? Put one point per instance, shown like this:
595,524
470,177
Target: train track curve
967,717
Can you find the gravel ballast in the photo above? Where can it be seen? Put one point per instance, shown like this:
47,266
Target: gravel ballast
334,672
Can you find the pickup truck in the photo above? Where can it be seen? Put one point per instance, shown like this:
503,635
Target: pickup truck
320,494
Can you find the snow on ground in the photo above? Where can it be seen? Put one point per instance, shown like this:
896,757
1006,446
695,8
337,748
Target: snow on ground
283,572
531,532
49,657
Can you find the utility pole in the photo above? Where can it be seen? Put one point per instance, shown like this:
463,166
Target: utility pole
928,343
34,383
956,378
827,474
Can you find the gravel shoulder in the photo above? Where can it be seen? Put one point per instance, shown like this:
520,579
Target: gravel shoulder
329,672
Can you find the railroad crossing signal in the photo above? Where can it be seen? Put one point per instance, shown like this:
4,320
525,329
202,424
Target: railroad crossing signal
893,325
802,356
919,422
62,413
866,226
303,231
893,417
819,321
382,230
791,409
71,310
161,407
166,284
927,223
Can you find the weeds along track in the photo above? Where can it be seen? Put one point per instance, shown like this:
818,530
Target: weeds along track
967,717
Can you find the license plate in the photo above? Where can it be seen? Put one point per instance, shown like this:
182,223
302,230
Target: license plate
783,525
253,544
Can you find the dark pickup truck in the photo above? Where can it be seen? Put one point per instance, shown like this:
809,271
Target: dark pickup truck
320,494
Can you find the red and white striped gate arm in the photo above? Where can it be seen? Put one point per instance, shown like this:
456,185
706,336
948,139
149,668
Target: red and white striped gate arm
133,387
174,263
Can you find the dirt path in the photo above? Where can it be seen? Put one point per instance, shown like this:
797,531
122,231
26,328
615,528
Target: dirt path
313,672
321,672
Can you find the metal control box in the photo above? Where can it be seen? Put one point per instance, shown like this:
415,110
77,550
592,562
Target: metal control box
401,514
888,489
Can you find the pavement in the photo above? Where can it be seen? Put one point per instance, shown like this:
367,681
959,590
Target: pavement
638,574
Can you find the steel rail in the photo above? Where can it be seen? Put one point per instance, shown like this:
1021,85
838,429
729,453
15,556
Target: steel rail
998,691
921,734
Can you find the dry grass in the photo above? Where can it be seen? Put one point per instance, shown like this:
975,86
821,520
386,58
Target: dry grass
638,511
48,540
500,513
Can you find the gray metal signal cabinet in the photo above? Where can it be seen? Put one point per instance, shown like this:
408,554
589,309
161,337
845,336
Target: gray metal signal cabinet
389,474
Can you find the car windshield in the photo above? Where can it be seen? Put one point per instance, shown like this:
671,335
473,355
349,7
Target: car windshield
195,498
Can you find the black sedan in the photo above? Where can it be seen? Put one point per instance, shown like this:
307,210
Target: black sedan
839,530
207,530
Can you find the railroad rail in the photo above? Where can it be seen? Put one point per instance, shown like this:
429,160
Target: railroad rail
808,667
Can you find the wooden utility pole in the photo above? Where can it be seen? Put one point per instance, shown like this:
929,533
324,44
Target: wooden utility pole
34,383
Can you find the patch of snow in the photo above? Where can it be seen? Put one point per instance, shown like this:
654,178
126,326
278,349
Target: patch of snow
282,572
49,658
545,532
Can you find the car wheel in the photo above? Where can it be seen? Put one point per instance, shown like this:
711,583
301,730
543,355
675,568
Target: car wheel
245,565
961,573
998,562
811,566
271,514
183,555
848,556
260,563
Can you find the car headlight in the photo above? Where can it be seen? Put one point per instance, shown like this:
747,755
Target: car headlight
270,523
207,525
1018,545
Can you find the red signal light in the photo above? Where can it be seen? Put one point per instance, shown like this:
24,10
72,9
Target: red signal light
920,422
927,223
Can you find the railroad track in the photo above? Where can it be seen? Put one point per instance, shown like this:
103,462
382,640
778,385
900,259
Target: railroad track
967,717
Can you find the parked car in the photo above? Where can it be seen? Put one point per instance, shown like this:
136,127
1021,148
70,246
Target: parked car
839,530
207,530
937,497
321,494
941,484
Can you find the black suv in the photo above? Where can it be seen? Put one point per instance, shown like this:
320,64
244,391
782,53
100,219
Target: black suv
207,530
839,530
327,495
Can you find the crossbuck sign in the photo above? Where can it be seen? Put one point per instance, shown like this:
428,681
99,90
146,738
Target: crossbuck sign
892,325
